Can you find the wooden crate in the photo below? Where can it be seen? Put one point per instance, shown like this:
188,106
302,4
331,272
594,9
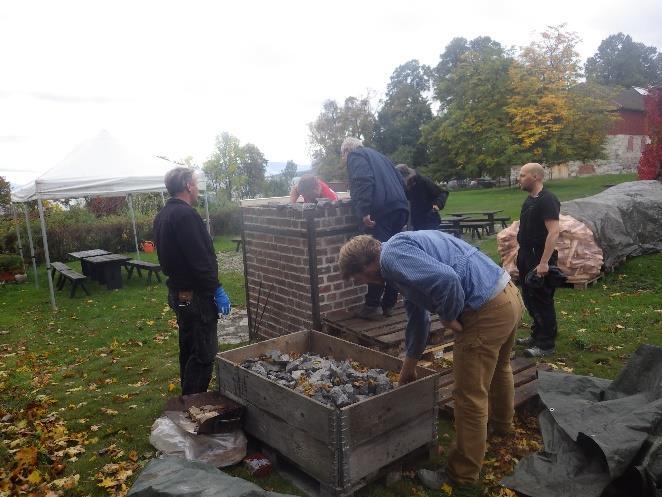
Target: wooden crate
342,449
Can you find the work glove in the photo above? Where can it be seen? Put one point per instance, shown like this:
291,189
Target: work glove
222,301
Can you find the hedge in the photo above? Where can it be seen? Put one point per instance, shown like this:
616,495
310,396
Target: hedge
70,233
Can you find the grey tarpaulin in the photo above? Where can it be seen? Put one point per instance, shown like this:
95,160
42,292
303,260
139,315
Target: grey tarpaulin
599,435
177,477
625,219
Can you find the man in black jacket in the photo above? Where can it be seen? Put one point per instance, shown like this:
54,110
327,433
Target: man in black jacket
537,236
187,257
426,199
380,203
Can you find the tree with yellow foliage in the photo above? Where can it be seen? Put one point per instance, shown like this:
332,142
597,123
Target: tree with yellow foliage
551,119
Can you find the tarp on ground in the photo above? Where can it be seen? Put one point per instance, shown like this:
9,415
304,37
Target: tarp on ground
176,477
97,167
625,219
601,437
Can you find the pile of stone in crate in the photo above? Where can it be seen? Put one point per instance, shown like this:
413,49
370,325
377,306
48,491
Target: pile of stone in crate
331,382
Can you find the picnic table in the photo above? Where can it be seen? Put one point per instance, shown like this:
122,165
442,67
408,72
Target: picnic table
84,254
107,269
452,224
488,214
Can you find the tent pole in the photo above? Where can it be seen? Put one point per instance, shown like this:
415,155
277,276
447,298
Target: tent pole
34,259
46,254
207,212
129,197
14,210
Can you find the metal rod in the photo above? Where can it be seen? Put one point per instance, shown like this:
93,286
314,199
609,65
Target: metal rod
14,210
264,308
252,334
44,239
32,256
129,198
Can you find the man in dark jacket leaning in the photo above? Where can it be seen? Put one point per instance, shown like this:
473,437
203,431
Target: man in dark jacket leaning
379,200
187,257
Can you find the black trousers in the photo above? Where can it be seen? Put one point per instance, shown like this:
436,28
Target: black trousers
198,340
539,302
384,229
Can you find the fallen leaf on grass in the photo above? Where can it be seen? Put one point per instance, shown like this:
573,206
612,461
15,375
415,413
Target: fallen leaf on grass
35,477
171,387
110,412
66,483
142,382
447,489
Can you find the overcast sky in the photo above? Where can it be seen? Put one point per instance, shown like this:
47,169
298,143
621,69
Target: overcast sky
170,76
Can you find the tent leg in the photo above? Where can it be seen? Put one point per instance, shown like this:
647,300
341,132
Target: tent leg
46,254
129,198
14,210
207,212
32,256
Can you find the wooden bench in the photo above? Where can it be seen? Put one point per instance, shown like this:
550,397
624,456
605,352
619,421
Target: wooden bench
504,220
238,241
150,267
475,227
68,274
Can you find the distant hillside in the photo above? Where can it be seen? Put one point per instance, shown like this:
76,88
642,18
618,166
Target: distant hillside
277,167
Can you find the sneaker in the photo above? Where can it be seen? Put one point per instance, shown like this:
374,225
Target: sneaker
527,342
434,479
387,311
538,352
368,312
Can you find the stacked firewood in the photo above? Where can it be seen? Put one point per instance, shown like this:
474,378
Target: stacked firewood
580,257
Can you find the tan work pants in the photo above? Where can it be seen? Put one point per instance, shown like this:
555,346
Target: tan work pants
484,387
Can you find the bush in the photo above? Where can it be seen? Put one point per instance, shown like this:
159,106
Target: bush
10,263
225,220
77,229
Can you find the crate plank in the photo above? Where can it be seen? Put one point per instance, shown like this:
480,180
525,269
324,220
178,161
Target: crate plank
313,456
371,419
294,342
299,411
381,450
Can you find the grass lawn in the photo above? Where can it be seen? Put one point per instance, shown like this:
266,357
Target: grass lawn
81,386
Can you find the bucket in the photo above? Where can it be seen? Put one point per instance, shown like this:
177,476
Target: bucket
147,246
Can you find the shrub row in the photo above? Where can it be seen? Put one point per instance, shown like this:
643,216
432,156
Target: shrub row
113,233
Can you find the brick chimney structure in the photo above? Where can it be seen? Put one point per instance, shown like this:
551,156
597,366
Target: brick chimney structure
291,263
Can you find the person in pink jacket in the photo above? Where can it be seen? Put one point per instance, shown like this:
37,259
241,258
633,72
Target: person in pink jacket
311,188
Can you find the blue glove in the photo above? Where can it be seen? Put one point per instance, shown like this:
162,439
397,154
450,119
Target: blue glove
222,301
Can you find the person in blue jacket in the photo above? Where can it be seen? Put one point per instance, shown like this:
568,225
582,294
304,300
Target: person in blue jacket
475,298
426,199
380,203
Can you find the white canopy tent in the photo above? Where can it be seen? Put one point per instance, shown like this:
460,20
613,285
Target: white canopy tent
98,167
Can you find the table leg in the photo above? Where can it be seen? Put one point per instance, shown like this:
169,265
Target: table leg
490,229
113,275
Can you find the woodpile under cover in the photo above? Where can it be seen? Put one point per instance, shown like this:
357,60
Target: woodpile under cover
580,257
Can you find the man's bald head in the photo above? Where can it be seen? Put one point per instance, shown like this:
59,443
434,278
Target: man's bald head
531,176
535,169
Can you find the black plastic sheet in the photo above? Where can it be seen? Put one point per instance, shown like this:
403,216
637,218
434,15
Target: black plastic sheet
625,219
601,437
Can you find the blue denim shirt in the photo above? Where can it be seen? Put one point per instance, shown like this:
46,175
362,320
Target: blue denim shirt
438,273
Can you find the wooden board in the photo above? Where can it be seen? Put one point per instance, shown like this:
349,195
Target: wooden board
386,334
525,375
579,284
